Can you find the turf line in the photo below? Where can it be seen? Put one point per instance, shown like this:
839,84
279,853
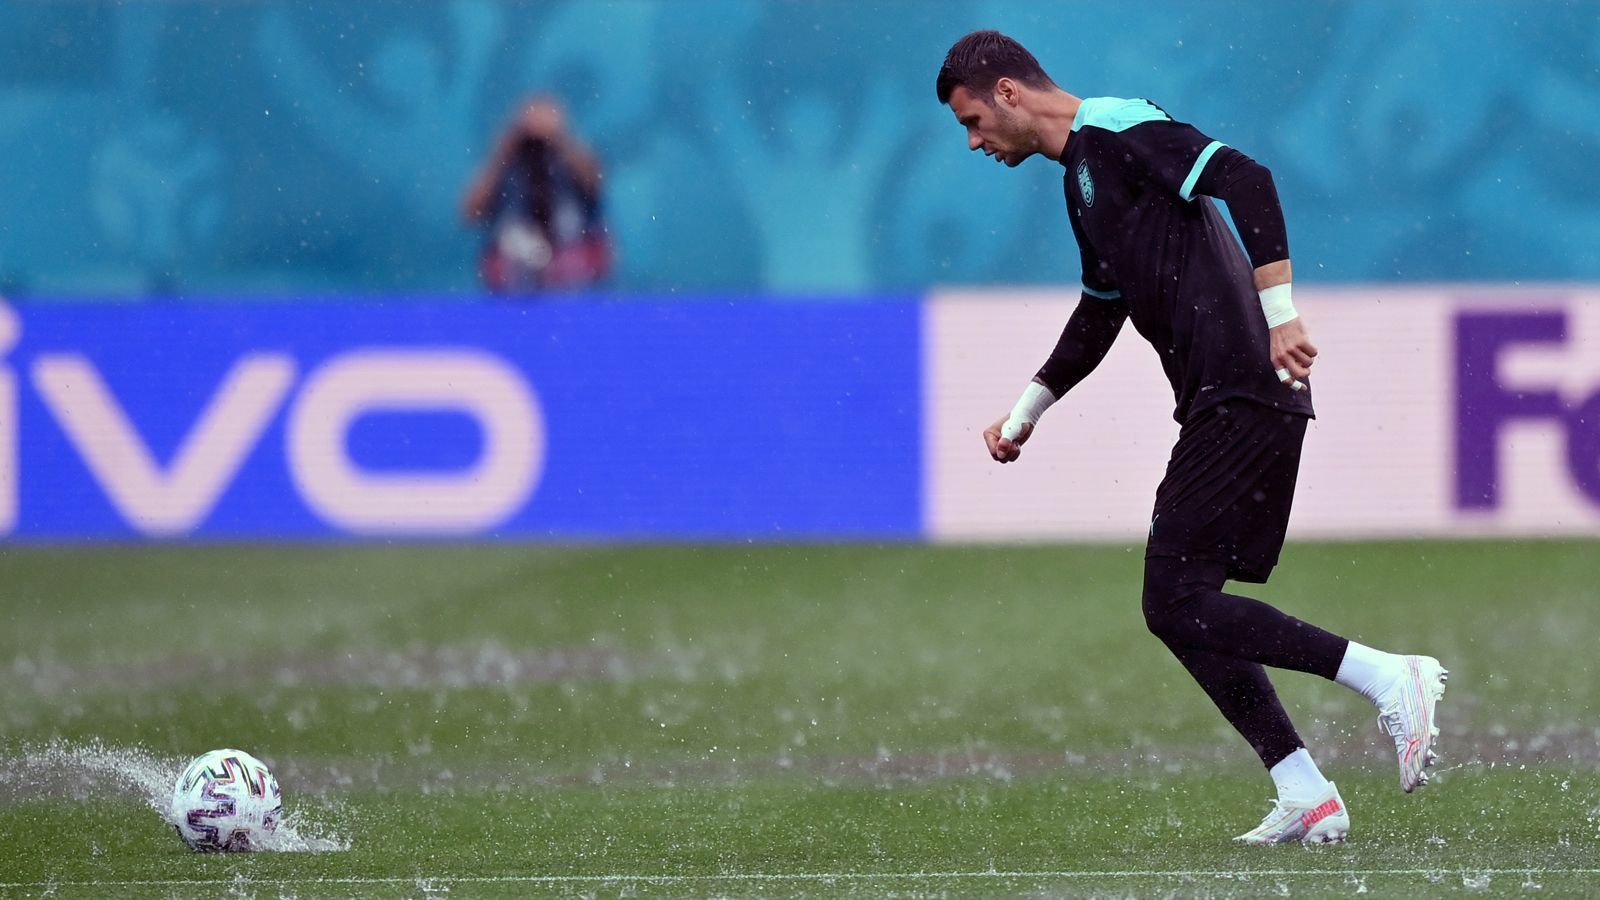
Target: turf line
798,877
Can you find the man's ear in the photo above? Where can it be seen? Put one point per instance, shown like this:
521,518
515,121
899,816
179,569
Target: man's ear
1008,92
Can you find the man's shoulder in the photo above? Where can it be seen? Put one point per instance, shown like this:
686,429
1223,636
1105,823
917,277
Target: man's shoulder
1116,114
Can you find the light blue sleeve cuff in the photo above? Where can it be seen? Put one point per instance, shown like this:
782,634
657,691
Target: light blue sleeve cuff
1102,295
1187,191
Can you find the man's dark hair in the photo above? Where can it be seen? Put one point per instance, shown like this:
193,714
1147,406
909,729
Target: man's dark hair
982,58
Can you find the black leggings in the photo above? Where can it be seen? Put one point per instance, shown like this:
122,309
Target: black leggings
1225,641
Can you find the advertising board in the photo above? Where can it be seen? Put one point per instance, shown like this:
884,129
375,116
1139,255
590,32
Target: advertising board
697,419
1441,412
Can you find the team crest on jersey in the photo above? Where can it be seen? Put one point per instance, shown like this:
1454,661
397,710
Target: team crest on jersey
1085,183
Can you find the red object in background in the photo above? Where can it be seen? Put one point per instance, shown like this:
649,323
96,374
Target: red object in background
582,264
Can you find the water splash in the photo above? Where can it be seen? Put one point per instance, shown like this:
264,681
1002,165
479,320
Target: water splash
65,770
61,769
306,831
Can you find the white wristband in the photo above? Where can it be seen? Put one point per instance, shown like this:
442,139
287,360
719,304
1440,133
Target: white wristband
1276,305
1035,399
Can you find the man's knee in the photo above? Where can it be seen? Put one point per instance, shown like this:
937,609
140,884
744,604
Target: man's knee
1170,584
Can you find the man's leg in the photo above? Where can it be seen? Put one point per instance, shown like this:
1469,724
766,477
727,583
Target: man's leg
1309,807
1221,512
1184,606
1224,641
1245,697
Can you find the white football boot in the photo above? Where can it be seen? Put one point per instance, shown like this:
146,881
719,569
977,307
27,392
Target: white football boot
1405,712
1320,821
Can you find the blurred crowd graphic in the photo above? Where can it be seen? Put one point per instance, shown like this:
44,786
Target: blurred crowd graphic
751,148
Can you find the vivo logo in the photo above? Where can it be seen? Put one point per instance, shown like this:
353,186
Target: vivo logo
1485,404
321,407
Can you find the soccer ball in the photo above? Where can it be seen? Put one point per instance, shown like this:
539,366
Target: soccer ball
226,801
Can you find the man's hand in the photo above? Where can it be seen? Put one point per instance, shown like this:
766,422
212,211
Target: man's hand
1003,449
1292,352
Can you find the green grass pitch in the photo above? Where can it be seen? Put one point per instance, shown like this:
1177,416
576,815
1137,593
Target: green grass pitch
771,721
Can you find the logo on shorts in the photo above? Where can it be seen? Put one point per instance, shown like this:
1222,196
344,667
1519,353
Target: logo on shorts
1085,183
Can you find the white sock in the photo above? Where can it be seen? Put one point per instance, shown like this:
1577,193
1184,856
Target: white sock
1368,672
1298,777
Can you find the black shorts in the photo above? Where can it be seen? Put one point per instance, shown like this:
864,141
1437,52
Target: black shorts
1228,488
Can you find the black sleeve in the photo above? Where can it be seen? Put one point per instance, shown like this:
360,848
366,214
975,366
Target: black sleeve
1090,332
1252,198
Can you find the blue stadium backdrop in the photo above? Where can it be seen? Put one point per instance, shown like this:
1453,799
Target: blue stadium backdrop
794,149
237,300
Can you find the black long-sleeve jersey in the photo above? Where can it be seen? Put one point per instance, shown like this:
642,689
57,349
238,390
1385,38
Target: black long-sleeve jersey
1156,249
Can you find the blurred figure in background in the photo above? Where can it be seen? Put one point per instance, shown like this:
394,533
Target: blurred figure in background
537,199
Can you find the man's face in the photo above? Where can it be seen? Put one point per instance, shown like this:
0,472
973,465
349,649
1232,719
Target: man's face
995,129
542,118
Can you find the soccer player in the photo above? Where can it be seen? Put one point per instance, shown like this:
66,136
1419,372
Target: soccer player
1156,250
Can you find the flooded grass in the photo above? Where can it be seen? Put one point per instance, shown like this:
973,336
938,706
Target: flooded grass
773,721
